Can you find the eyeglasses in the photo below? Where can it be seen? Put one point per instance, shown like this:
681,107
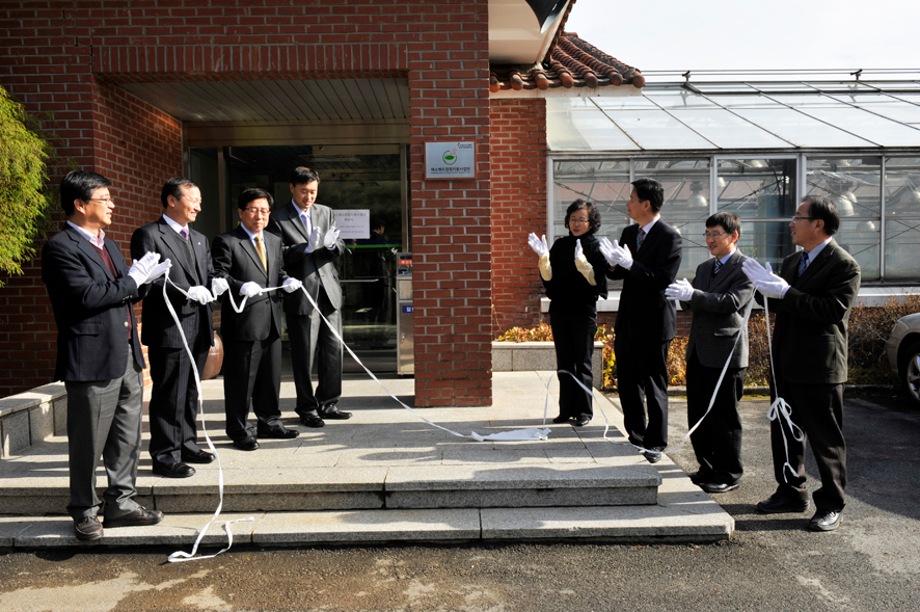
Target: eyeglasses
574,220
105,201
709,235
801,218
252,212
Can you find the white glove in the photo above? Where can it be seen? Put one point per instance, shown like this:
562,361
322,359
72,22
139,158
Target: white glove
141,268
329,240
159,270
754,271
313,241
769,284
200,294
218,286
538,244
250,289
680,290
291,285
615,254
582,264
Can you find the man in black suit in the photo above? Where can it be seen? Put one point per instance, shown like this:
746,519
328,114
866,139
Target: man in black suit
812,298
174,397
246,261
721,297
646,258
311,247
99,357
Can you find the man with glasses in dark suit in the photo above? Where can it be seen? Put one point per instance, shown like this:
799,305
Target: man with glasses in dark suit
812,298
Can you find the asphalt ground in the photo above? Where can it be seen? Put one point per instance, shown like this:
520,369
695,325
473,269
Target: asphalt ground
772,563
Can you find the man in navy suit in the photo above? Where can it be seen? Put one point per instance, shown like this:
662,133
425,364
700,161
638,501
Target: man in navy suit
311,248
248,260
812,298
720,297
99,357
174,396
646,258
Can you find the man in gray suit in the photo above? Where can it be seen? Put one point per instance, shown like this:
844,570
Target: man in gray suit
246,261
99,355
311,247
812,297
721,297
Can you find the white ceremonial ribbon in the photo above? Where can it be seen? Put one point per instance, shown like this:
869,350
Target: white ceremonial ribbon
779,409
518,434
180,556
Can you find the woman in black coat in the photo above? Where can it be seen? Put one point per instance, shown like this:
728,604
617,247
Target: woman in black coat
573,273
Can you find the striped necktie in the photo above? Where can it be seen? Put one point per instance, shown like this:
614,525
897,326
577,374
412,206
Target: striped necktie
640,239
803,263
716,266
261,251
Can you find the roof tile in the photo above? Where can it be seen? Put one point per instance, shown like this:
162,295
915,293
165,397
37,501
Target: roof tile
571,63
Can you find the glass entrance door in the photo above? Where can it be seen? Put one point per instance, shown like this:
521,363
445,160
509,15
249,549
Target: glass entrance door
366,187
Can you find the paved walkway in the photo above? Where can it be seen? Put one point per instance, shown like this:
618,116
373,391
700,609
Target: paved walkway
388,475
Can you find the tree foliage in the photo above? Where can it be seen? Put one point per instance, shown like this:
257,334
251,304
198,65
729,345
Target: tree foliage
22,178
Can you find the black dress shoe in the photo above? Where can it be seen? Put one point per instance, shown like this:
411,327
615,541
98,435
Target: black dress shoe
718,487
140,516
562,419
173,470
824,520
777,504
581,420
199,456
246,444
280,432
331,413
87,529
652,456
312,420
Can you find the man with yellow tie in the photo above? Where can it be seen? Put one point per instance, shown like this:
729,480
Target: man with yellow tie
248,260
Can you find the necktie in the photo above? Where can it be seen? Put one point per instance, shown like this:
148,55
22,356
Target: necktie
716,266
261,251
305,218
803,263
189,253
640,239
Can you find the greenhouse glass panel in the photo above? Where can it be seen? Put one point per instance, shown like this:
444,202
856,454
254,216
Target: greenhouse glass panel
606,183
727,130
902,218
578,125
800,129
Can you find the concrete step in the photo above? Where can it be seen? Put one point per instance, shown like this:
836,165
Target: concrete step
386,476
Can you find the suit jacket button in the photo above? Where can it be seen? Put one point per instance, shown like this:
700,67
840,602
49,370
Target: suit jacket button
126,324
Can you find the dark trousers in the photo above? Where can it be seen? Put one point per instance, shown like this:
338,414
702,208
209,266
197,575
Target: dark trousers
642,377
104,420
717,441
573,337
312,341
252,377
173,403
818,410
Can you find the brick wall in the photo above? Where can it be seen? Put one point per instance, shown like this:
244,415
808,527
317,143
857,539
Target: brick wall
66,59
449,101
519,204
